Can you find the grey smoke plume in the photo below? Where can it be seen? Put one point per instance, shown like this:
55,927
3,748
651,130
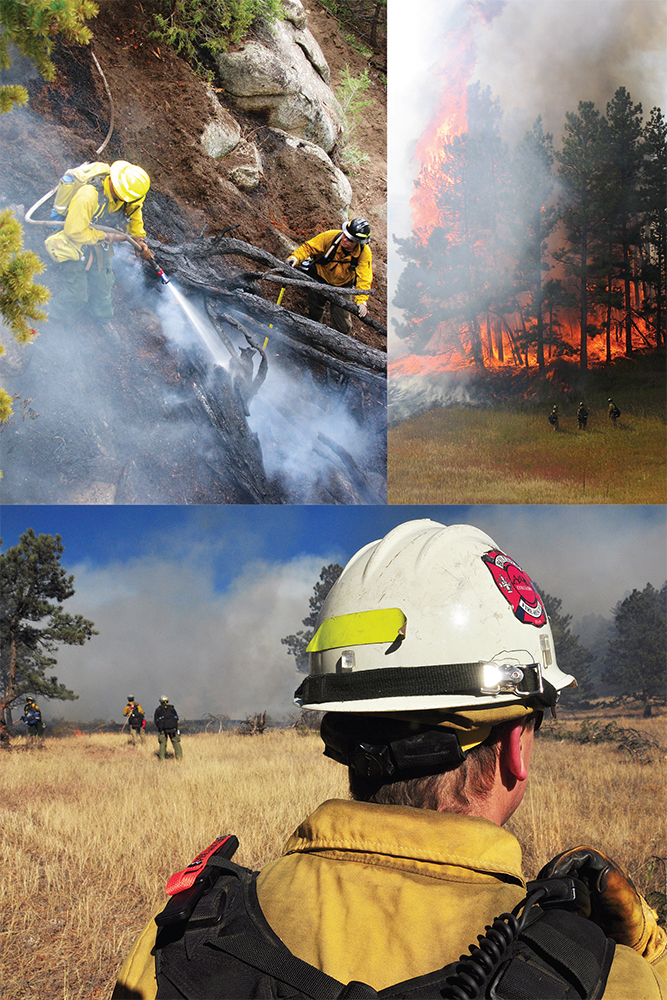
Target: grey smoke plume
163,629
539,57
409,395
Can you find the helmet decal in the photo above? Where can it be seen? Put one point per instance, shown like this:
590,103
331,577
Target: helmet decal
516,587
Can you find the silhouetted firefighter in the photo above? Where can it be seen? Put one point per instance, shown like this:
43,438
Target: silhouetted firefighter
582,417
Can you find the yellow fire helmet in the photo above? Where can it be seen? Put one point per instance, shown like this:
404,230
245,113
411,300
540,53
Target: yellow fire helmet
130,183
433,619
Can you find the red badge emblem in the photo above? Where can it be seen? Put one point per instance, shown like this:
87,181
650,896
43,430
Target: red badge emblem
516,587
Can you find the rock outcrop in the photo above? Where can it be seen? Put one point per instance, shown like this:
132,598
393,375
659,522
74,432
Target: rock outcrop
282,75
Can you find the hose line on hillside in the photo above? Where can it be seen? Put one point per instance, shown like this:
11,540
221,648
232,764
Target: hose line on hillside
100,149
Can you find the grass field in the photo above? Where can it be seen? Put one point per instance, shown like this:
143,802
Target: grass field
508,454
461,455
93,827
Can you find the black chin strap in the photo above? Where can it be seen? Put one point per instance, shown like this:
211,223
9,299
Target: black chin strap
383,751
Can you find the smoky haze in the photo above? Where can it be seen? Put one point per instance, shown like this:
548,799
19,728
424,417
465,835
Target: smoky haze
164,628
537,58
542,58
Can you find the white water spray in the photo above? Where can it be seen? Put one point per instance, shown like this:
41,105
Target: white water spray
204,330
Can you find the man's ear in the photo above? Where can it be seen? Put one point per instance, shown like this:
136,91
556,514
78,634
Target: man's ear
516,756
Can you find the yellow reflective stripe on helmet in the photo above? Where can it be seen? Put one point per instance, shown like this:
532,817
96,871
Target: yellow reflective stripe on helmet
357,629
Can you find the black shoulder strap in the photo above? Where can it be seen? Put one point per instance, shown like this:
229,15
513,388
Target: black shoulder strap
228,950
332,249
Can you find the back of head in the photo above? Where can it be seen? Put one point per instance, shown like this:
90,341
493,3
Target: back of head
431,638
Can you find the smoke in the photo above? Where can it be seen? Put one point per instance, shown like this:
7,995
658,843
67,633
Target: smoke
164,629
545,57
590,556
291,415
409,395
537,58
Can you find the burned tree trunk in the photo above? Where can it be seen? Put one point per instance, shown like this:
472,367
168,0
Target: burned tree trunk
235,455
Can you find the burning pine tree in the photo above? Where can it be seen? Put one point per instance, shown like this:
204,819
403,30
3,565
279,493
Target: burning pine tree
518,257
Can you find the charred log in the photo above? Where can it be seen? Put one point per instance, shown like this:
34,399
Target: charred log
236,455
287,325
188,262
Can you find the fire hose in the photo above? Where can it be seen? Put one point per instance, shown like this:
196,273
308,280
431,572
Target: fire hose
104,229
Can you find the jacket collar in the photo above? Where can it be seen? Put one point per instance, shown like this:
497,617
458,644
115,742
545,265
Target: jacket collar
415,835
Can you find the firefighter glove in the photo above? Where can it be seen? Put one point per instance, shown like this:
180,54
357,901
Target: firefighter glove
616,906
144,252
363,309
292,261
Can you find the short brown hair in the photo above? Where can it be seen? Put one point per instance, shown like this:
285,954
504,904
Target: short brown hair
453,790
455,787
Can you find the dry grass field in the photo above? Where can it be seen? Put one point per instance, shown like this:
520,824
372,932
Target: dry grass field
93,827
461,455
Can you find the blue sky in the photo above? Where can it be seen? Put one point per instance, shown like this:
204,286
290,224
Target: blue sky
193,601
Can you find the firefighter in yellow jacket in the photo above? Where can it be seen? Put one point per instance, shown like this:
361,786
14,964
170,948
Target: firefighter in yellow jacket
95,194
342,258
434,662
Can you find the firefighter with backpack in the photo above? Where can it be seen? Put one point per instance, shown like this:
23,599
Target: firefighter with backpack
434,662
136,719
32,716
165,718
90,196
341,258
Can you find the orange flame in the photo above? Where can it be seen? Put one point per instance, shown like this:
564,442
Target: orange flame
449,350
450,120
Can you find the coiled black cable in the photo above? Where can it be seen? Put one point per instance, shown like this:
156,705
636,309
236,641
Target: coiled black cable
474,970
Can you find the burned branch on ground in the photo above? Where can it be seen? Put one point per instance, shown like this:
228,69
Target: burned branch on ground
190,263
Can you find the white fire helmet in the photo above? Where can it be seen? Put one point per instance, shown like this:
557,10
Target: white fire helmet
432,618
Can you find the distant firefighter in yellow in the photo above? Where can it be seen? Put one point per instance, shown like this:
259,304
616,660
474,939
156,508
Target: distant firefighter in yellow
136,719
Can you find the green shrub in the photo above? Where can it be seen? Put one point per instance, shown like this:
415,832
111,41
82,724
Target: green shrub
350,93
209,26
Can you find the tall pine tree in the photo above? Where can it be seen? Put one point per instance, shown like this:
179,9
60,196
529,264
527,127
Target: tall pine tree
637,654
33,586
33,29
534,217
652,197
581,165
296,644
